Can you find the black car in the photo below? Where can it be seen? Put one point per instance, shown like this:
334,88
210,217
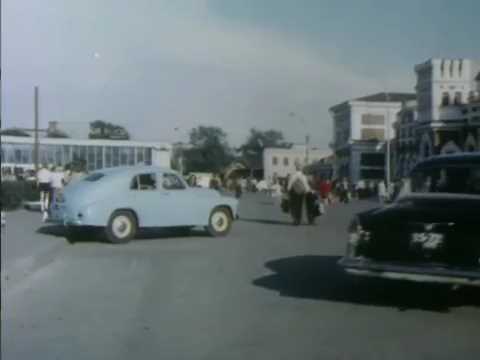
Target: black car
431,232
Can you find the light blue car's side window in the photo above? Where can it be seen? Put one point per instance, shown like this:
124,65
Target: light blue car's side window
143,182
172,182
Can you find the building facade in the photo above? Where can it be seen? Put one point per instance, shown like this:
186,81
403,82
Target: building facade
361,129
280,162
444,119
447,106
405,146
96,154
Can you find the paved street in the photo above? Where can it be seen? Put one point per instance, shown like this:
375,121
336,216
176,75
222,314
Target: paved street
267,291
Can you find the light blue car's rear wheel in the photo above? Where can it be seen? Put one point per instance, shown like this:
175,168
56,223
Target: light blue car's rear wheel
121,227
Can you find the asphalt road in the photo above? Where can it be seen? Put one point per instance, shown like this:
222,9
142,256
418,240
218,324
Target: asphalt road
267,291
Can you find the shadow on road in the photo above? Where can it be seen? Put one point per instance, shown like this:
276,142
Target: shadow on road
319,277
265,221
93,234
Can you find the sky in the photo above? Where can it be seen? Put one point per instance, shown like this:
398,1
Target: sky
161,67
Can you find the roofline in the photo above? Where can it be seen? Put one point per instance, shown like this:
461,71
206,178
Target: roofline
70,141
362,100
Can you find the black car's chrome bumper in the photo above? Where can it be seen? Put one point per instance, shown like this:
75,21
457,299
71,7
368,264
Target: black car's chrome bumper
407,271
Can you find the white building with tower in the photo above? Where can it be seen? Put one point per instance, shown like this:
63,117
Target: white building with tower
445,118
362,127
447,105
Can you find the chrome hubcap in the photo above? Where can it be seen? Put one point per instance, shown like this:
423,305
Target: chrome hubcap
219,221
121,226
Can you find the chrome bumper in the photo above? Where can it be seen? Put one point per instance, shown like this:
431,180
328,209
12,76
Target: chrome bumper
397,271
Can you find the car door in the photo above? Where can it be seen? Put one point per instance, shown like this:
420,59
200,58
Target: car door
179,200
147,198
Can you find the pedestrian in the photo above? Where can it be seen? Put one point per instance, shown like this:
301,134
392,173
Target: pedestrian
57,182
324,191
344,191
44,178
360,189
298,188
382,192
67,174
237,188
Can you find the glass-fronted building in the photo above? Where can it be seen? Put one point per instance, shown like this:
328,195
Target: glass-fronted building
97,154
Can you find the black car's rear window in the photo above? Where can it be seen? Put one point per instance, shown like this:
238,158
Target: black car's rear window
447,179
94,177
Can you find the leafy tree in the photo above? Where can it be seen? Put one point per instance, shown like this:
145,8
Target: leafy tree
209,150
252,150
100,129
57,134
14,132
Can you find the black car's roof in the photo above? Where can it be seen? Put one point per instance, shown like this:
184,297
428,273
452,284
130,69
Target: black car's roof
469,159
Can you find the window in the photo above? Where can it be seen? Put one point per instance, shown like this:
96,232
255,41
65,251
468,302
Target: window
144,182
285,161
59,155
373,134
372,159
98,157
457,180
172,182
116,156
458,98
123,156
371,174
108,156
275,161
131,156
83,153
140,155
445,99
372,119
148,156
51,154
91,158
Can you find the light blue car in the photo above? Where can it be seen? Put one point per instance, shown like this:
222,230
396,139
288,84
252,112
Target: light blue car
122,200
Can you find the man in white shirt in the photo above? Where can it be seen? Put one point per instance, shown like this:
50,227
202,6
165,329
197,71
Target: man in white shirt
44,178
57,182
297,188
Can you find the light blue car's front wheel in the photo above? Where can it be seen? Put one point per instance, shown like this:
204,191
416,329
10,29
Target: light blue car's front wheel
121,227
220,222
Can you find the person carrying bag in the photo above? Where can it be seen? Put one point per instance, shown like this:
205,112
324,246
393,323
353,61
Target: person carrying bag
297,188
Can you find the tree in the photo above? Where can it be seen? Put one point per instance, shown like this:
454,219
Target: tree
209,150
57,134
14,132
100,129
252,150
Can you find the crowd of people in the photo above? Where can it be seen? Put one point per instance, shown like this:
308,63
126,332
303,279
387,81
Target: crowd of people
303,195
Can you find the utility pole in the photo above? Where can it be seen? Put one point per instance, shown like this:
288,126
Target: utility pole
387,161
35,134
307,144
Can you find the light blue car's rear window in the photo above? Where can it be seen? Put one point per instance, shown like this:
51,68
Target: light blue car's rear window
94,177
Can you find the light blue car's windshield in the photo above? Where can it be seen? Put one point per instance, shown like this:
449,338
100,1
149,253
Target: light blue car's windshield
94,177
